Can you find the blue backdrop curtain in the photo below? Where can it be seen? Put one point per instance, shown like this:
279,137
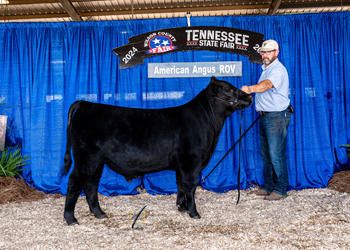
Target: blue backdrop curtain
45,67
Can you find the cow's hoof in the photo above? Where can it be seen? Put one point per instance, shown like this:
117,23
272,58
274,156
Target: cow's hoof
182,209
195,216
71,220
101,216
73,223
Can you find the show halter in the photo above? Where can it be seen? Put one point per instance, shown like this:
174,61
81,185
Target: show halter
234,103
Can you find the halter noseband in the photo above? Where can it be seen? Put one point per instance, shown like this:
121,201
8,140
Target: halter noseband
234,103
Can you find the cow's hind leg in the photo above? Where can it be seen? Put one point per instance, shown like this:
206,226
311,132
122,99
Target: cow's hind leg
90,189
181,197
73,192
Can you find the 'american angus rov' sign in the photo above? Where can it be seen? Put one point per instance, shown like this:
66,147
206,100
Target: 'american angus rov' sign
211,38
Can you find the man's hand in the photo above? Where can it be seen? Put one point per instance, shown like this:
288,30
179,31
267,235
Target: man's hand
258,88
246,89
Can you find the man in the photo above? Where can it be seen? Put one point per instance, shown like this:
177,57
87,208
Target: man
273,104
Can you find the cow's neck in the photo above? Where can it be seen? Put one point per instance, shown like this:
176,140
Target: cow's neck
216,115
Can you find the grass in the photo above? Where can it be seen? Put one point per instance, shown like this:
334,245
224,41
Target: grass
11,162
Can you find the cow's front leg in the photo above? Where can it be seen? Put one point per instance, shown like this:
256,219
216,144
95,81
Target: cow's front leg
181,197
190,184
192,210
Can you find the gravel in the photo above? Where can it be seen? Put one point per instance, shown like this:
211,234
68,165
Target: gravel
306,219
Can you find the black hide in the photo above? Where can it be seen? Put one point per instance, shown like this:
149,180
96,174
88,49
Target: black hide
134,142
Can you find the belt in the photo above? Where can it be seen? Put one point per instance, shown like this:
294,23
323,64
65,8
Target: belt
263,112
290,108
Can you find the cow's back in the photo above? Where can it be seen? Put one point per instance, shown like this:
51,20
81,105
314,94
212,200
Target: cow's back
127,139
142,140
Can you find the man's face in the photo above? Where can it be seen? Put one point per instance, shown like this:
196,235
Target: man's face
269,56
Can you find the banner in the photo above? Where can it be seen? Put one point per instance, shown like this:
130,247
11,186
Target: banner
195,69
210,38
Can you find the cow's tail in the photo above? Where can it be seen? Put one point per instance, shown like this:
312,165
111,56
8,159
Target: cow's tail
67,156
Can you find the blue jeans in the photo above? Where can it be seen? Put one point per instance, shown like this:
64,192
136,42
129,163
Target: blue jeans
273,137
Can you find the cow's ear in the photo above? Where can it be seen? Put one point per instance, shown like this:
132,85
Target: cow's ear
213,88
216,86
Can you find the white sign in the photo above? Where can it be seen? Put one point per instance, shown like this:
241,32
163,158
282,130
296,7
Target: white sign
195,69
3,123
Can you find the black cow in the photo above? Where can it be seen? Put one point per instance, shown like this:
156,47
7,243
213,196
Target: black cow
134,142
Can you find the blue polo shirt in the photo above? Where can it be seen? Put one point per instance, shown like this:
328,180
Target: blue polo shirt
276,98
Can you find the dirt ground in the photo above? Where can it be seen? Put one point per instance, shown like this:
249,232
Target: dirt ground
306,219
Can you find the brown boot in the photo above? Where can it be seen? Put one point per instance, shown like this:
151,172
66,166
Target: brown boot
260,192
275,197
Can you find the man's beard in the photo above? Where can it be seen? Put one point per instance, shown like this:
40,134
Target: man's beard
268,61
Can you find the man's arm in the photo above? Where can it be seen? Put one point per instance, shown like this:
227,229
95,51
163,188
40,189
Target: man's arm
258,88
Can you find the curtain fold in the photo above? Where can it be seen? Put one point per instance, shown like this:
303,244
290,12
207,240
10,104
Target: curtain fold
45,67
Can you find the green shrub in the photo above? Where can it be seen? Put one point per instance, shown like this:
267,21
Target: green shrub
11,162
347,148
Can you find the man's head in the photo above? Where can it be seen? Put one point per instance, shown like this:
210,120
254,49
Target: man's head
269,51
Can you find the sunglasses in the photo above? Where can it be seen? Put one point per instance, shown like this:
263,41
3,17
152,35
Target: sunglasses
266,52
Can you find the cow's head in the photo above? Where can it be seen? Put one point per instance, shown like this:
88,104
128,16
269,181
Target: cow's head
228,96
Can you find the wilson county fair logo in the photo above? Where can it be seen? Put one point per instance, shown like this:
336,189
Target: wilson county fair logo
160,43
